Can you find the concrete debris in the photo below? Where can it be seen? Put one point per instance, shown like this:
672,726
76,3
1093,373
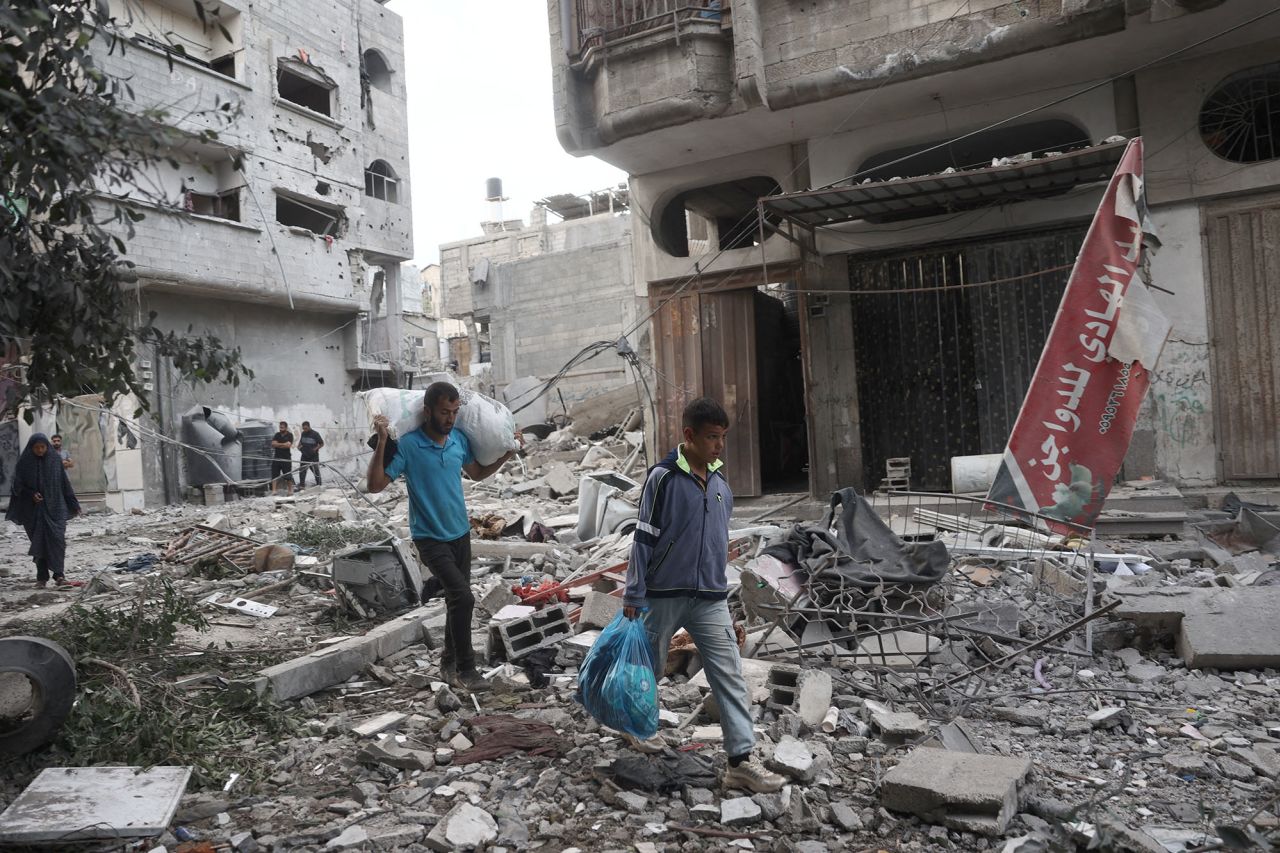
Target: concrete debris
465,827
1212,627
973,793
1162,705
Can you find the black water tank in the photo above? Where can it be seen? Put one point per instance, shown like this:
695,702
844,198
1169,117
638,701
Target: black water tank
493,189
256,461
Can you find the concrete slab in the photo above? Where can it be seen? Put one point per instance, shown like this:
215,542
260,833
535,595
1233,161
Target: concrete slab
337,662
754,672
1222,628
974,793
75,803
897,649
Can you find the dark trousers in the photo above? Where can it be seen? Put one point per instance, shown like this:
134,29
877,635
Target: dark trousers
42,569
450,564
312,466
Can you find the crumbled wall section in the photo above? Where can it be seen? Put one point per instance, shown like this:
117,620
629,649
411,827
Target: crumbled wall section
550,290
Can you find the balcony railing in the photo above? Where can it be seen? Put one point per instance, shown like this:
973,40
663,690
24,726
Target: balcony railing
605,22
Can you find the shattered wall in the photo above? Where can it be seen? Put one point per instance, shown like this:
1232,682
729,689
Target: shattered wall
300,374
545,292
284,273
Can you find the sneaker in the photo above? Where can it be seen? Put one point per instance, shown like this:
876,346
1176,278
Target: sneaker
750,775
62,581
41,584
652,746
470,681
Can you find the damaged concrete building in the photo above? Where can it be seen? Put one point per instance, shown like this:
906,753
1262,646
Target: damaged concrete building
297,217
869,317
531,295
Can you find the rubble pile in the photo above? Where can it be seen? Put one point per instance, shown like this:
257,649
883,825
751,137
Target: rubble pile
1036,692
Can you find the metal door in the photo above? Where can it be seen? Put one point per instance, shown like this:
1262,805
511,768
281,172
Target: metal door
1244,301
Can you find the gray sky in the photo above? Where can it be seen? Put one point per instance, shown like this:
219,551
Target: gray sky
479,83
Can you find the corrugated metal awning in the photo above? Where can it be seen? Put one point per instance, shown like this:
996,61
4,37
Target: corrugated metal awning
930,195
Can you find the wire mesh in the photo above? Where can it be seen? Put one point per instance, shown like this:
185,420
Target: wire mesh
1016,587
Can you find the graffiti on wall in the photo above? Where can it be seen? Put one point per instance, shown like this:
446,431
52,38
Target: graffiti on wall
1181,413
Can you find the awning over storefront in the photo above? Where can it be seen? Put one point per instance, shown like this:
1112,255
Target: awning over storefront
931,195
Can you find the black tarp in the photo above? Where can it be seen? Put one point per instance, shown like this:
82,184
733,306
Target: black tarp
853,547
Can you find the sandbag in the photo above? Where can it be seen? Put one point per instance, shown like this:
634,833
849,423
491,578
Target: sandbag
487,423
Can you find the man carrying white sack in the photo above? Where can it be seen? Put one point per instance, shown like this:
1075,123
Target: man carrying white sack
432,460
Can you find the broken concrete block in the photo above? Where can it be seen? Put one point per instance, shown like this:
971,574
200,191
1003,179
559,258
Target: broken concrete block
561,480
792,758
754,672
898,726
498,597
388,754
897,649
335,663
740,811
98,802
465,827
598,610
516,638
963,791
1215,627
380,723
327,512
352,836
461,743
806,692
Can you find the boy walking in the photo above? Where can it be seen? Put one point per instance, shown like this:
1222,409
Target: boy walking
676,579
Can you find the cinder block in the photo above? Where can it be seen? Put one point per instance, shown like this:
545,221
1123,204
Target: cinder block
516,638
598,610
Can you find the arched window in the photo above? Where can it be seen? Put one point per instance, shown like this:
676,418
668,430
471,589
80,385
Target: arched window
380,181
719,216
1240,120
379,73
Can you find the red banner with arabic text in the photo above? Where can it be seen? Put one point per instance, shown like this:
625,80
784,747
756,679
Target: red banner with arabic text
1075,424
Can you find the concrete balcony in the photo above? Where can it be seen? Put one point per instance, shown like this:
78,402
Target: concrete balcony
205,255
632,73
631,67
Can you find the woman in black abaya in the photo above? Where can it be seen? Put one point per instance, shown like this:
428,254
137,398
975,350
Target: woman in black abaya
42,501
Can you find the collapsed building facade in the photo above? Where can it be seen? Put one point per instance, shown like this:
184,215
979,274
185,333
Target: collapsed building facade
292,227
854,317
531,295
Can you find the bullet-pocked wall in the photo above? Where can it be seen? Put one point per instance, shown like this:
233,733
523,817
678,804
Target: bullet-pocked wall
284,220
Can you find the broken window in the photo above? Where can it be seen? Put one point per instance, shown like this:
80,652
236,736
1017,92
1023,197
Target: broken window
380,181
314,216
1035,138
482,341
303,84
222,205
172,26
377,70
716,217
1240,120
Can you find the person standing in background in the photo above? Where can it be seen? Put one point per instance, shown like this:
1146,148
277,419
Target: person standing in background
42,500
282,461
309,444
63,456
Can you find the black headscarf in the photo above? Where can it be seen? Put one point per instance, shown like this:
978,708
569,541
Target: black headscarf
45,522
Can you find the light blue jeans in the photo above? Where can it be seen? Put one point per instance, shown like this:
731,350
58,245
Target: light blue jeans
709,624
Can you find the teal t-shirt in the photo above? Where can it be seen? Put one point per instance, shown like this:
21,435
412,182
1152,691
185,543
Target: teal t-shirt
434,476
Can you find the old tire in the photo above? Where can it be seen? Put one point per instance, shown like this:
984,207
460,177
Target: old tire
32,712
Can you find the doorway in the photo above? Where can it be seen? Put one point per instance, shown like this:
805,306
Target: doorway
739,343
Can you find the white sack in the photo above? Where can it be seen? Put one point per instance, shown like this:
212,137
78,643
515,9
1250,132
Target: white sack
487,423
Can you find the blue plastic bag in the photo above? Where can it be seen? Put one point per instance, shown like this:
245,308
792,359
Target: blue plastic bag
616,683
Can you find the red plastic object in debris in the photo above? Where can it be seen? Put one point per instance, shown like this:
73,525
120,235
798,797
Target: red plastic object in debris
545,591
